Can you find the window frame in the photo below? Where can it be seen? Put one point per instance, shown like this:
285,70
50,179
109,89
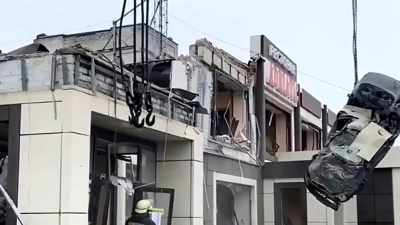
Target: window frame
236,180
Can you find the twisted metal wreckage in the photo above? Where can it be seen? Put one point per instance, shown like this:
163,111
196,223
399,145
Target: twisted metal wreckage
363,133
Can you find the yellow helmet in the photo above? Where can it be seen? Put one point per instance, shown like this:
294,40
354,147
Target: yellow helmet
143,206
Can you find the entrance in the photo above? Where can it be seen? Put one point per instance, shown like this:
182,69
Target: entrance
9,159
290,203
133,161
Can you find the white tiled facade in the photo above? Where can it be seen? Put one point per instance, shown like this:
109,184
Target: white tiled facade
55,154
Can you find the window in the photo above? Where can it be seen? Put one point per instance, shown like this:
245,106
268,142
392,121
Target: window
235,200
271,144
229,112
310,137
278,124
233,204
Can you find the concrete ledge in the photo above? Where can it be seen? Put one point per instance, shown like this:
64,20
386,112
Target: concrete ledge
391,160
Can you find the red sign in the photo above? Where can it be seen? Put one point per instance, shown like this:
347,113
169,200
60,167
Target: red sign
282,82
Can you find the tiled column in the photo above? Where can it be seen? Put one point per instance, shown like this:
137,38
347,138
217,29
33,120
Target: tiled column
350,211
182,170
268,192
54,161
316,211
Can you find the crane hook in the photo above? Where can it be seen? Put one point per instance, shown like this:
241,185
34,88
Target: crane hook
135,121
150,118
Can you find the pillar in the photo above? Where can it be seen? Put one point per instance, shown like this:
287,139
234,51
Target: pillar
350,212
324,124
180,166
297,122
54,160
260,108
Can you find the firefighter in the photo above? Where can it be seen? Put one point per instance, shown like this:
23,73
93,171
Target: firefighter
142,213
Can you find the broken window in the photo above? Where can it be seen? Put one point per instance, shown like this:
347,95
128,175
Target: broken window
278,129
310,136
233,204
229,111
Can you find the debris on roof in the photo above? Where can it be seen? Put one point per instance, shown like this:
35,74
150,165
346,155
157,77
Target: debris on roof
29,49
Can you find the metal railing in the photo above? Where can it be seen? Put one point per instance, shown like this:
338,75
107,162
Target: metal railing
99,77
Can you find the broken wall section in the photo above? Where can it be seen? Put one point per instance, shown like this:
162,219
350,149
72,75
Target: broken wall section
224,89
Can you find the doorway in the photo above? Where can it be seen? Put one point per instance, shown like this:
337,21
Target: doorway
117,156
10,116
290,203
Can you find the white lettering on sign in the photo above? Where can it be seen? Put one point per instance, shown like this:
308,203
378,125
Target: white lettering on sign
282,59
281,81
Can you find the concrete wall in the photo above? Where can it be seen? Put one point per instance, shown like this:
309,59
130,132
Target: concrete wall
98,40
219,164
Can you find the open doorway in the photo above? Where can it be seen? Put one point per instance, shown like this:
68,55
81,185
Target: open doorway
290,203
131,159
9,159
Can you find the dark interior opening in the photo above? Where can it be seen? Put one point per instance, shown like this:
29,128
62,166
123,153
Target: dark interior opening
106,153
10,116
290,200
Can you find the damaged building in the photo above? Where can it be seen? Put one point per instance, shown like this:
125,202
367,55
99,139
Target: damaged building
252,122
67,139
230,143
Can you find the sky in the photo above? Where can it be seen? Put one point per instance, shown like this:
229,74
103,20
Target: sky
315,34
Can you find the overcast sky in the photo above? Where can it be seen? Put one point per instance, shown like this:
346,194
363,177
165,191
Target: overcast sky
315,34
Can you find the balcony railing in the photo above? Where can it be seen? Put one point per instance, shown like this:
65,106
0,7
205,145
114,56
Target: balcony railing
81,67
104,83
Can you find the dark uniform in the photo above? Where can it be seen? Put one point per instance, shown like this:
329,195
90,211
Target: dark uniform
140,219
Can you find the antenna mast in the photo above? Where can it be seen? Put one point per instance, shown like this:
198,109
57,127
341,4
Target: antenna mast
160,26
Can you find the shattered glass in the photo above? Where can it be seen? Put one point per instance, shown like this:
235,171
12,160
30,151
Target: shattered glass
364,131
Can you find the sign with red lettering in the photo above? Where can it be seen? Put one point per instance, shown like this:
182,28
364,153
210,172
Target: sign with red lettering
281,81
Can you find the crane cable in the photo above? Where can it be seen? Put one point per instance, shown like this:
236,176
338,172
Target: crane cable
354,3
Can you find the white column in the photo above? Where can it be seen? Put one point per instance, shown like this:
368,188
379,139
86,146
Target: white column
269,202
54,161
182,170
350,211
121,195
